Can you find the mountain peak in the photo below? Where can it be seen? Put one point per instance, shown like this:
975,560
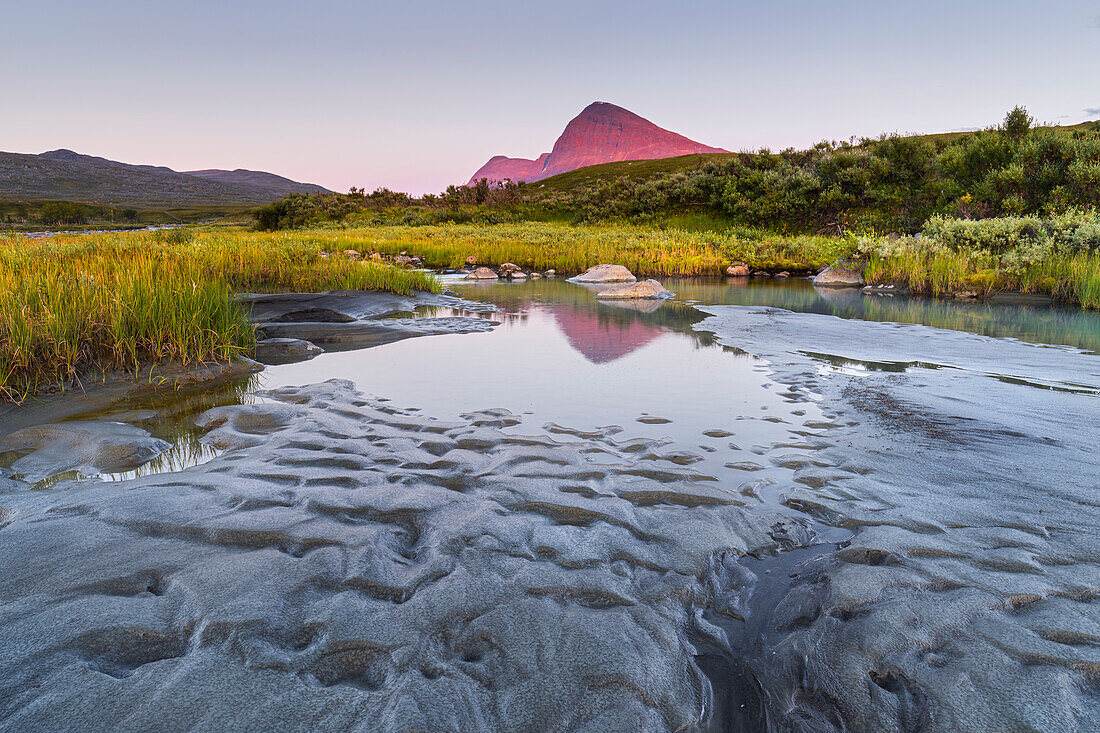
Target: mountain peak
606,108
601,133
63,154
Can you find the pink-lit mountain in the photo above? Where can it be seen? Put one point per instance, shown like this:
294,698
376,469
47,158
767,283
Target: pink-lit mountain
601,133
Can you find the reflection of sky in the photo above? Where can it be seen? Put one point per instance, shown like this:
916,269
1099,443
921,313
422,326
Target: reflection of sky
536,364
561,356
562,363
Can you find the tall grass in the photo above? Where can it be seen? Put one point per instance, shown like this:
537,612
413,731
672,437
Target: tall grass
572,249
1074,278
928,267
72,304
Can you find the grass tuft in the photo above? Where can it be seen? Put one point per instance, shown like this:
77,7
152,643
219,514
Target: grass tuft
73,304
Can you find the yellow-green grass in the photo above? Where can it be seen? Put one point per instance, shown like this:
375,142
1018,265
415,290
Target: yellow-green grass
70,305
1074,278
572,249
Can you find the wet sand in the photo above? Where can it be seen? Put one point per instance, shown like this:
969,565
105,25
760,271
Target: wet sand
862,526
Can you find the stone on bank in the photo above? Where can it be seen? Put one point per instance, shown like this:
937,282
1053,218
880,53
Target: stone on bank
839,275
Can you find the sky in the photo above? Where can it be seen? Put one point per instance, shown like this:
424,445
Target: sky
415,95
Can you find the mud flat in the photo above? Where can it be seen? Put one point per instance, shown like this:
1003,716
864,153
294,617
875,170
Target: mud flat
349,565
966,468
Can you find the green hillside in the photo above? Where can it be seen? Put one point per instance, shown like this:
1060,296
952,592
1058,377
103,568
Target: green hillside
642,170
635,169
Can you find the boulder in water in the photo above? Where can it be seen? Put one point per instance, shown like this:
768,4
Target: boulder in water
482,273
645,290
605,274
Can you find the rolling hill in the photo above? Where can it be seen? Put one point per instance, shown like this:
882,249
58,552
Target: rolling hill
63,175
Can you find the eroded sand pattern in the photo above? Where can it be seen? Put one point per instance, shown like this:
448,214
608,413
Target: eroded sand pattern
967,598
357,566
873,527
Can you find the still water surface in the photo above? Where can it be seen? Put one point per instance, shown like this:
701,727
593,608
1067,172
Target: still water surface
560,357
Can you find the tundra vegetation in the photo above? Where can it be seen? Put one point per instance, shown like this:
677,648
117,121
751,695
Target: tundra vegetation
890,184
74,305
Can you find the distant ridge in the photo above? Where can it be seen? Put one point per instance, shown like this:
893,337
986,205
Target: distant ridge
257,179
65,175
601,133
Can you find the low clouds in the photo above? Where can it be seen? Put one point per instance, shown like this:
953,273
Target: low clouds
1092,111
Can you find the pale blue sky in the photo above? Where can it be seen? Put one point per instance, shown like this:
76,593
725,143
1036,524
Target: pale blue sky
417,95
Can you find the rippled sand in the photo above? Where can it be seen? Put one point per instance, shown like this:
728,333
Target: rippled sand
350,565
339,563
966,467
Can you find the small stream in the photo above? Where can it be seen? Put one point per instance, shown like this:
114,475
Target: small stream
906,488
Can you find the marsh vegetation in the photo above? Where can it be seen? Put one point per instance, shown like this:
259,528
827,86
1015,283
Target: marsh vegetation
73,304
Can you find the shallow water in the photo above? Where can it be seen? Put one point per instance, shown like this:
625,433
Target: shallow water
876,513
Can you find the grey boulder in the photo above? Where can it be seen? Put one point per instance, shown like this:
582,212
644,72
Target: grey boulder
645,290
839,275
605,274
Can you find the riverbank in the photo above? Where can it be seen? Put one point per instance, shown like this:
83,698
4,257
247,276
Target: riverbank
74,305
79,303
1057,256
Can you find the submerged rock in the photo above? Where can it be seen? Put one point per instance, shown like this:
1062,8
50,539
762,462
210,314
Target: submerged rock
482,273
605,274
839,275
343,320
86,447
645,290
285,350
